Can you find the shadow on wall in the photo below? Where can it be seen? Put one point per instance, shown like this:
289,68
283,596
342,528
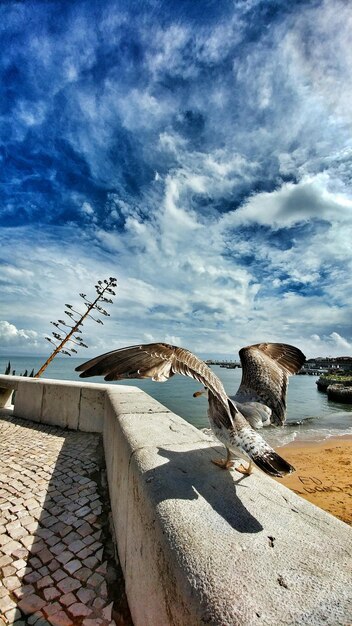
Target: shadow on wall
187,475
56,554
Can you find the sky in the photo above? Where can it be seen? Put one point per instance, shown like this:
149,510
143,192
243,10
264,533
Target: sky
199,151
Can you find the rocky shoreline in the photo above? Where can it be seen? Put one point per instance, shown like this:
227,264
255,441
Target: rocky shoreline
338,388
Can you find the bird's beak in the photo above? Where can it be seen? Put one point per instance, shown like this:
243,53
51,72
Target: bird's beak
199,393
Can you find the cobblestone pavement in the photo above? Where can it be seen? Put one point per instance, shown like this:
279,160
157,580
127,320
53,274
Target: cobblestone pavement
57,562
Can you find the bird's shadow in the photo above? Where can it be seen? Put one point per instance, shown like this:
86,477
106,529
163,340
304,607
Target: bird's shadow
189,474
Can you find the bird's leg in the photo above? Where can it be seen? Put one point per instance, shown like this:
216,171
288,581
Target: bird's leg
245,470
224,463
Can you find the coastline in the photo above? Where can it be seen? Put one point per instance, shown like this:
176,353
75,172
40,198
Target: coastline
323,474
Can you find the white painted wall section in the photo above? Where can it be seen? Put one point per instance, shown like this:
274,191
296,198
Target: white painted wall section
202,546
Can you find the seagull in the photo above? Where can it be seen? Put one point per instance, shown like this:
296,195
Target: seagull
260,399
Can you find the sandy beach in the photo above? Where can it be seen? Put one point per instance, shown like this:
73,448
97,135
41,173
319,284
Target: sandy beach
323,474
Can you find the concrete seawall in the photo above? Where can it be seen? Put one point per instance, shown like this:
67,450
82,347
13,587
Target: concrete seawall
199,545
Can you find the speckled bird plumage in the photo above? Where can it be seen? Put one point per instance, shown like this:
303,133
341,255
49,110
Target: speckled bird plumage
261,396
262,393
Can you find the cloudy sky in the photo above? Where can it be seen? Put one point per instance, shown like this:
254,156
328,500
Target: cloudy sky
200,151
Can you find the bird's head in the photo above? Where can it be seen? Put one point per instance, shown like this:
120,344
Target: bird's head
200,392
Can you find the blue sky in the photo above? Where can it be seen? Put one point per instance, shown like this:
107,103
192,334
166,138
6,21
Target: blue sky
199,151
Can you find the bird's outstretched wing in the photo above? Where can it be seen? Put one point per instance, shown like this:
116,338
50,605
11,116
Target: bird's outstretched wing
265,371
158,361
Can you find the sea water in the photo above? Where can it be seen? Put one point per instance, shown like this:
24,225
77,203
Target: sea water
310,415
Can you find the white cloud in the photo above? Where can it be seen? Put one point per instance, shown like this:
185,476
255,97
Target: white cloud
340,342
194,249
293,203
13,337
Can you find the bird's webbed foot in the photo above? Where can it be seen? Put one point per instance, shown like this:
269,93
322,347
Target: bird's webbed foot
245,470
224,463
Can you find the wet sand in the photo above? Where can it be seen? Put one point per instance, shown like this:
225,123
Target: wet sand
323,474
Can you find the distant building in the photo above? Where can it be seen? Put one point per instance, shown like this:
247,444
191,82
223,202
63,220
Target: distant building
342,363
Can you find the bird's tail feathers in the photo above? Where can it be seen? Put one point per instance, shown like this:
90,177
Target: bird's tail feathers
273,464
258,450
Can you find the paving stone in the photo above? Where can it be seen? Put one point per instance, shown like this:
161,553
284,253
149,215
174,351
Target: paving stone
62,619
13,525
8,570
72,566
31,504
68,518
99,554
91,562
97,535
95,580
5,560
13,615
6,603
45,555
51,593
53,565
17,533
64,557
102,569
27,541
59,575
68,584
65,531
35,562
83,574
22,572
71,537
59,548
37,513
85,595
88,540
32,619
79,610
52,609
85,529
23,590
32,577
32,528
44,582
99,603
83,511
49,521
52,541
44,533
10,547
19,564
59,528
68,599
76,546
107,612
85,553
43,622
103,590
11,582
38,546
31,603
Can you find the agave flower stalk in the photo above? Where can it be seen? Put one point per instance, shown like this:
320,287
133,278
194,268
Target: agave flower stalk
70,334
